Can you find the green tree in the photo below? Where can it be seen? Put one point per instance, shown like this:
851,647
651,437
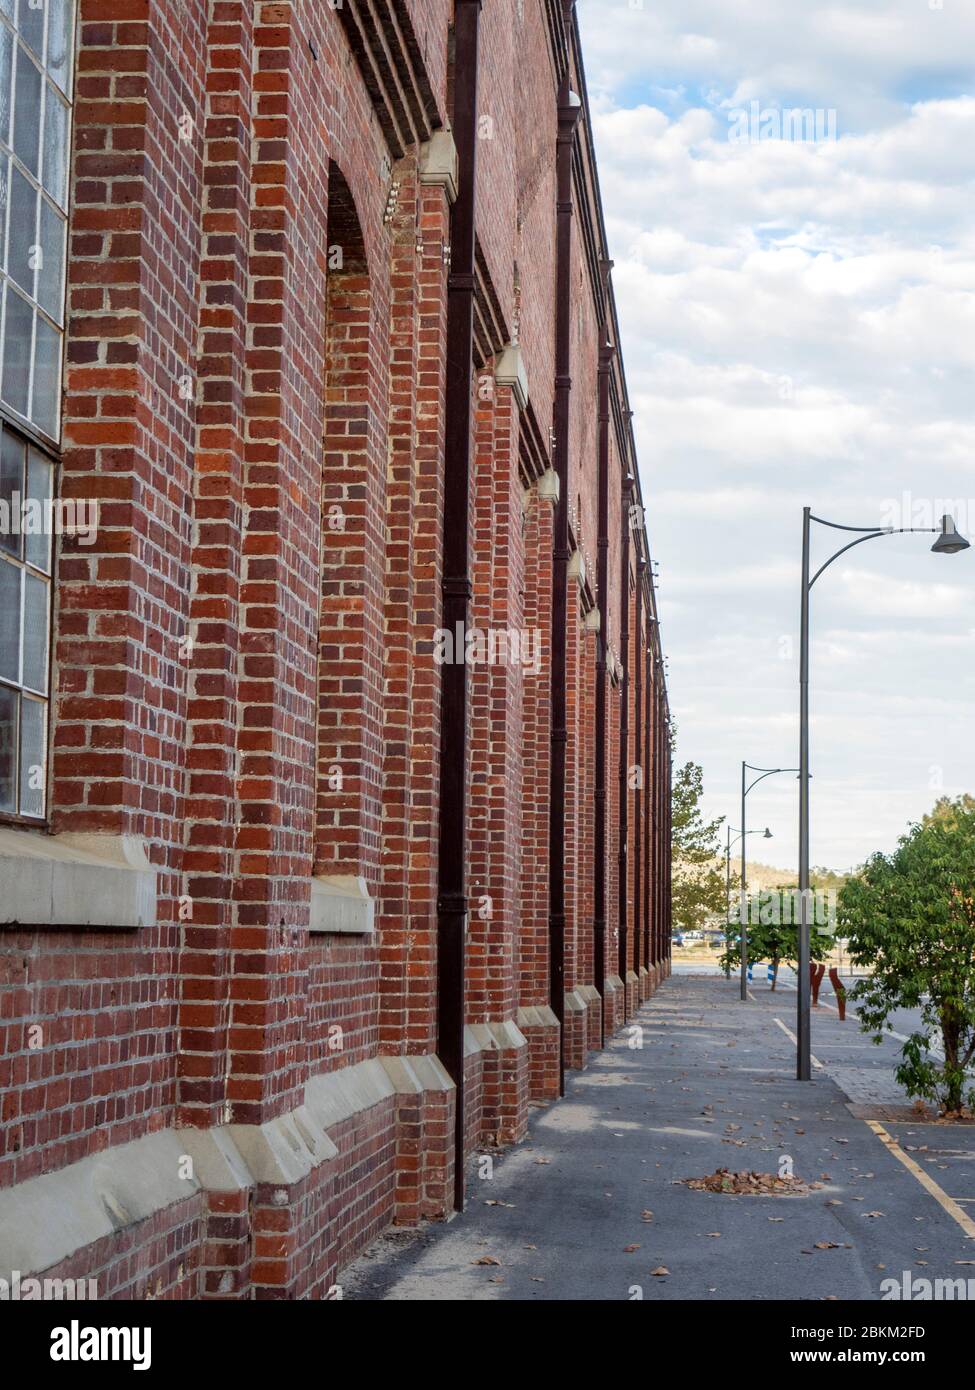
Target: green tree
698,877
773,935
910,917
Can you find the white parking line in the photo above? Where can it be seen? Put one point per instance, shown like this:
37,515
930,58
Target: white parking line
815,1060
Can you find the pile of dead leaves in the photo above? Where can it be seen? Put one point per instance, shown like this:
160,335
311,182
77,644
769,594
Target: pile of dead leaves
750,1184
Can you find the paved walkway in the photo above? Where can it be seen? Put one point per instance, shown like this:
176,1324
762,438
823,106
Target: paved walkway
593,1202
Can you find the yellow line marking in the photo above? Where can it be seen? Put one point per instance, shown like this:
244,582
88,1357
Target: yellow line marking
947,1203
815,1060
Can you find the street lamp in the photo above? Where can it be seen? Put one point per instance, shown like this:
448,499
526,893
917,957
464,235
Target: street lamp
743,913
949,542
766,834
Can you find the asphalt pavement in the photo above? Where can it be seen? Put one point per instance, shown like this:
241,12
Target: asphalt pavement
593,1205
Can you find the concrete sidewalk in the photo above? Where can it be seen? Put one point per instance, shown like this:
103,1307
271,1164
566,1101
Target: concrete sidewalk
711,1087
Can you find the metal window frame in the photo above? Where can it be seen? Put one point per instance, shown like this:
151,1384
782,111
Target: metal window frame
33,435
25,568
9,155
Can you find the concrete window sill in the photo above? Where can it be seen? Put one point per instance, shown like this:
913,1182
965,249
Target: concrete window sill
341,905
98,881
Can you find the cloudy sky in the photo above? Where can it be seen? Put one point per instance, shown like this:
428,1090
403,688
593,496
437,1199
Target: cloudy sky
799,328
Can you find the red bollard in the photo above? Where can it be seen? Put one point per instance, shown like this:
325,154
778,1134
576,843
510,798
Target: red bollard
816,973
839,989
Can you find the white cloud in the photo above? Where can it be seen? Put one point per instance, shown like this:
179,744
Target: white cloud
799,328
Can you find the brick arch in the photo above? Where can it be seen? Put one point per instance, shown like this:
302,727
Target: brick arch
353,514
344,230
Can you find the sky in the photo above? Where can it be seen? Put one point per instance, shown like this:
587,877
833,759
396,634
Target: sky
797,305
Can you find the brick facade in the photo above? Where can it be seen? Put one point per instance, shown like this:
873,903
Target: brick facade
248,661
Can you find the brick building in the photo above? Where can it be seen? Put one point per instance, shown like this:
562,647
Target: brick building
334,754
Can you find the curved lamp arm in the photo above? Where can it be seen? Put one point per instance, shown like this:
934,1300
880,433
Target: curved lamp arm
871,533
766,772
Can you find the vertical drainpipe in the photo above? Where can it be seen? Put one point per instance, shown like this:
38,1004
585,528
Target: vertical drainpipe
568,116
641,566
452,856
650,782
664,780
602,593
624,724
667,857
658,777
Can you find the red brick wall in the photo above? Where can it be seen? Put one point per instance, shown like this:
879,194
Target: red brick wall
263,428
497,703
536,754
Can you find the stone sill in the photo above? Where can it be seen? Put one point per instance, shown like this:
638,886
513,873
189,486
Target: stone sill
96,881
341,906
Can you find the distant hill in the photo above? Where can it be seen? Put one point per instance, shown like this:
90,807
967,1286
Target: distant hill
762,876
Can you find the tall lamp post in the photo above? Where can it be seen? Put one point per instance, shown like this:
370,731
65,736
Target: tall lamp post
746,787
949,542
766,834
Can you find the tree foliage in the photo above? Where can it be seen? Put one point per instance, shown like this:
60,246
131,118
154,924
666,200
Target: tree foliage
698,880
910,917
775,942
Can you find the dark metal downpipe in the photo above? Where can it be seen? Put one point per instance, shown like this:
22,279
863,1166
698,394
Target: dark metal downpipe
624,729
452,906
641,780
606,352
650,811
568,115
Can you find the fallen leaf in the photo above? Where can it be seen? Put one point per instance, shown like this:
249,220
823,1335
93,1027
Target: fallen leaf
748,1183
646,1216
628,1249
660,1271
487,1260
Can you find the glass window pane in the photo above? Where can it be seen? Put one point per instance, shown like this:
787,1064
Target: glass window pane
33,719
35,634
8,748
5,167
6,76
45,406
9,620
27,111
30,22
11,490
17,331
50,271
60,34
40,478
55,146
23,231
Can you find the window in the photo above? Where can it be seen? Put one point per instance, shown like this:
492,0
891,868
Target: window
36,49
26,477
36,52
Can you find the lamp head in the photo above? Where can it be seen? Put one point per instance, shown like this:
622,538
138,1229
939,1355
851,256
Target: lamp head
768,834
950,542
